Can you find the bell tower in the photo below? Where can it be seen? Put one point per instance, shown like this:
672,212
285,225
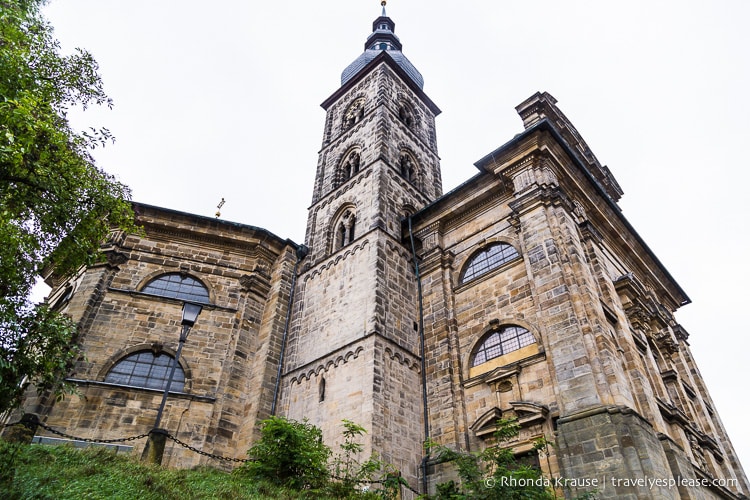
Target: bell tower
353,346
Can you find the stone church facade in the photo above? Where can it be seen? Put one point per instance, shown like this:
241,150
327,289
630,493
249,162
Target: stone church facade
532,298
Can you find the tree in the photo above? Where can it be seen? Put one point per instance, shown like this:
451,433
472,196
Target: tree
372,478
493,473
289,453
56,205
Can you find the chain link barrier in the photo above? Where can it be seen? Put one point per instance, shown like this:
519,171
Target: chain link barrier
246,460
90,440
193,449
206,454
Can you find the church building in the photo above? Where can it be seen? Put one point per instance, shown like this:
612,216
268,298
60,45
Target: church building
522,293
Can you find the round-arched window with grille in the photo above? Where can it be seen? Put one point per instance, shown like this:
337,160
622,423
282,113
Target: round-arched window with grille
488,259
503,341
178,286
148,370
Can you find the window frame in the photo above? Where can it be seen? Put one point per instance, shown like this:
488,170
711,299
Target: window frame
490,267
497,350
147,372
178,293
343,228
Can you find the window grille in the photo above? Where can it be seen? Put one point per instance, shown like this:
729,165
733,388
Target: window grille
500,342
178,286
488,259
145,369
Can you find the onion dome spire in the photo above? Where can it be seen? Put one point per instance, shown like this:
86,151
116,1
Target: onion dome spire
382,39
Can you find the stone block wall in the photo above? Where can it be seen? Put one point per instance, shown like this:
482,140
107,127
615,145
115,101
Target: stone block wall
230,357
615,447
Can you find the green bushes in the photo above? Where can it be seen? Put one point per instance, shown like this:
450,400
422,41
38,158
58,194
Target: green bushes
292,454
493,473
67,473
290,461
289,453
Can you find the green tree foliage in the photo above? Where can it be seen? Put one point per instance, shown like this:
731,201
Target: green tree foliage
68,473
493,473
56,206
292,454
289,453
352,476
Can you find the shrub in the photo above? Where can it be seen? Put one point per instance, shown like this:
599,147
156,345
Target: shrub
289,453
493,473
376,478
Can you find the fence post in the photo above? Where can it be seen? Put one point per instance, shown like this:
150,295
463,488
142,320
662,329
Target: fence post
154,451
24,430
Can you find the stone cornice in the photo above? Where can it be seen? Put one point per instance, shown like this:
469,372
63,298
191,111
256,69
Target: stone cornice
348,352
121,387
469,212
336,193
171,233
256,283
334,359
331,261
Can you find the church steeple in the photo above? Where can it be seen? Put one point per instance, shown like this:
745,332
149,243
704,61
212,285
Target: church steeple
383,39
357,297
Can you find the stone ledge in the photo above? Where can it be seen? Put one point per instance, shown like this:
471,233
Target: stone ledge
623,410
180,395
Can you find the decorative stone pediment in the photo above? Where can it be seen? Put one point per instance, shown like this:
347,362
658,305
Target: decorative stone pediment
486,425
526,414
496,377
529,413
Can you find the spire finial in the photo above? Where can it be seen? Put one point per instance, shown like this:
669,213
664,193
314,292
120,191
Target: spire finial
383,2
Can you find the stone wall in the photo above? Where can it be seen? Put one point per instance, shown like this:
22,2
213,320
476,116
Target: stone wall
230,357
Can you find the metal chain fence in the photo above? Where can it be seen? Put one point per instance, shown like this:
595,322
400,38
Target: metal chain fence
184,445
206,454
90,440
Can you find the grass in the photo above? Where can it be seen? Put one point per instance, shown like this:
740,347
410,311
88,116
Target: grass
62,472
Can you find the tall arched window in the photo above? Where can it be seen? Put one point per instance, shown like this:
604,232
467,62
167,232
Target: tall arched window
406,114
146,369
354,113
503,341
408,167
348,168
178,286
344,230
487,259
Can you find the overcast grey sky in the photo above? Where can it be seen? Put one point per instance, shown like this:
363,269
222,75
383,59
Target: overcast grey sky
221,99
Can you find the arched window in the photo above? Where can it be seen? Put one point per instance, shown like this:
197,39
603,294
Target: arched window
349,168
507,339
408,168
344,228
488,259
178,286
354,113
406,115
146,369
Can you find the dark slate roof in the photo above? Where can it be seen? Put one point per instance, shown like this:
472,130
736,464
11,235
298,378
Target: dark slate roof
369,55
383,39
